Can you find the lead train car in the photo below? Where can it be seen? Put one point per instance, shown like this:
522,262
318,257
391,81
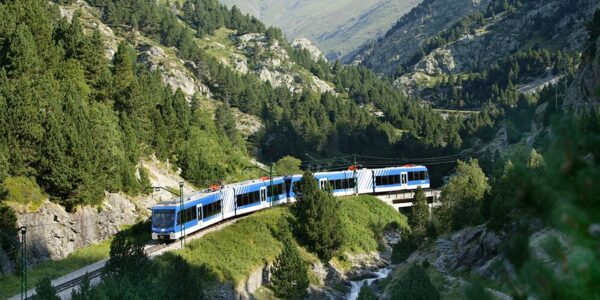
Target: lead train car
207,208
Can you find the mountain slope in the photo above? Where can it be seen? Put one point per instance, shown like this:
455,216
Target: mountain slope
337,27
430,38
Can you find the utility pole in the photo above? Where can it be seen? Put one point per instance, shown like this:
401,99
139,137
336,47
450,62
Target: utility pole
23,230
183,215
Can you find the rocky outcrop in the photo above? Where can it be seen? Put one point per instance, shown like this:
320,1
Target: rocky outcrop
53,233
584,92
90,21
271,63
306,44
550,23
173,70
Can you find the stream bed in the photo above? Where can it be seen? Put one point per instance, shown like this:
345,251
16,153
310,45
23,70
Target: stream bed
357,285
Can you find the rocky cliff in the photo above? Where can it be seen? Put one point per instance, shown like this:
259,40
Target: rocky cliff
584,92
552,24
53,233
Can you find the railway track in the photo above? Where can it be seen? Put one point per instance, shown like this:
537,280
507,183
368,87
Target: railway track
75,282
98,272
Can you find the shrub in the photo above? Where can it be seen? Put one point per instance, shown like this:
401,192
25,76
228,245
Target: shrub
23,190
414,285
403,249
290,273
45,291
366,293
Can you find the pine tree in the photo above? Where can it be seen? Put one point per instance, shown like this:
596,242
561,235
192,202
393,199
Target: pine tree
366,293
414,284
420,211
182,281
44,290
290,277
85,290
317,218
128,259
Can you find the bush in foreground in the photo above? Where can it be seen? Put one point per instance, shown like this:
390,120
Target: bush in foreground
415,285
290,277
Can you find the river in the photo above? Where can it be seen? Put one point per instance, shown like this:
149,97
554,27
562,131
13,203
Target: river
357,285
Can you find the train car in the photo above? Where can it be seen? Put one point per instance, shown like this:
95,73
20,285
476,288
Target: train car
220,203
342,183
198,211
396,179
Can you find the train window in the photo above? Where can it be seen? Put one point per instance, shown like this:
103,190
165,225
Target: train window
248,198
211,210
342,184
416,176
163,218
276,190
187,215
387,180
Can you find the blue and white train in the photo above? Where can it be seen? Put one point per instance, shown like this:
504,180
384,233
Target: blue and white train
212,206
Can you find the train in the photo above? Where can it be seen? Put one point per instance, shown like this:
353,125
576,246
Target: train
219,203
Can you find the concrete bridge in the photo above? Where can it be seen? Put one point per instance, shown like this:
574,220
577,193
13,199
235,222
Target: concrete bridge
404,199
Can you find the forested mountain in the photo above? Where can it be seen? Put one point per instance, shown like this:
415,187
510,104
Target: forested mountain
455,36
78,123
337,27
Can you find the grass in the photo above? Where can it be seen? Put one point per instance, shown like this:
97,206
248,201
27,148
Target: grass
364,219
24,191
231,254
235,251
10,284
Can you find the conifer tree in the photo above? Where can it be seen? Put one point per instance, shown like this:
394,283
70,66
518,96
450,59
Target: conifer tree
290,277
44,290
420,211
317,218
366,293
85,290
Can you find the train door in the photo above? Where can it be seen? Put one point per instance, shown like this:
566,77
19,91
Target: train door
404,179
263,196
288,189
323,183
200,217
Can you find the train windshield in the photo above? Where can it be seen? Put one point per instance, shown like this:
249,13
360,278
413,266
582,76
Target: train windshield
163,218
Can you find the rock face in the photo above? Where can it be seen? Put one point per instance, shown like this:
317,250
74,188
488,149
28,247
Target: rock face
303,43
584,92
53,233
482,46
271,63
173,70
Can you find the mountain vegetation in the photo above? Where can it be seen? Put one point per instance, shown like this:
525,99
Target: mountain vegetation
96,118
318,223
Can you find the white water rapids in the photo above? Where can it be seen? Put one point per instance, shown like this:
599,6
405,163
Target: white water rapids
357,285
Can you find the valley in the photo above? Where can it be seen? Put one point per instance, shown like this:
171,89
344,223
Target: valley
108,108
